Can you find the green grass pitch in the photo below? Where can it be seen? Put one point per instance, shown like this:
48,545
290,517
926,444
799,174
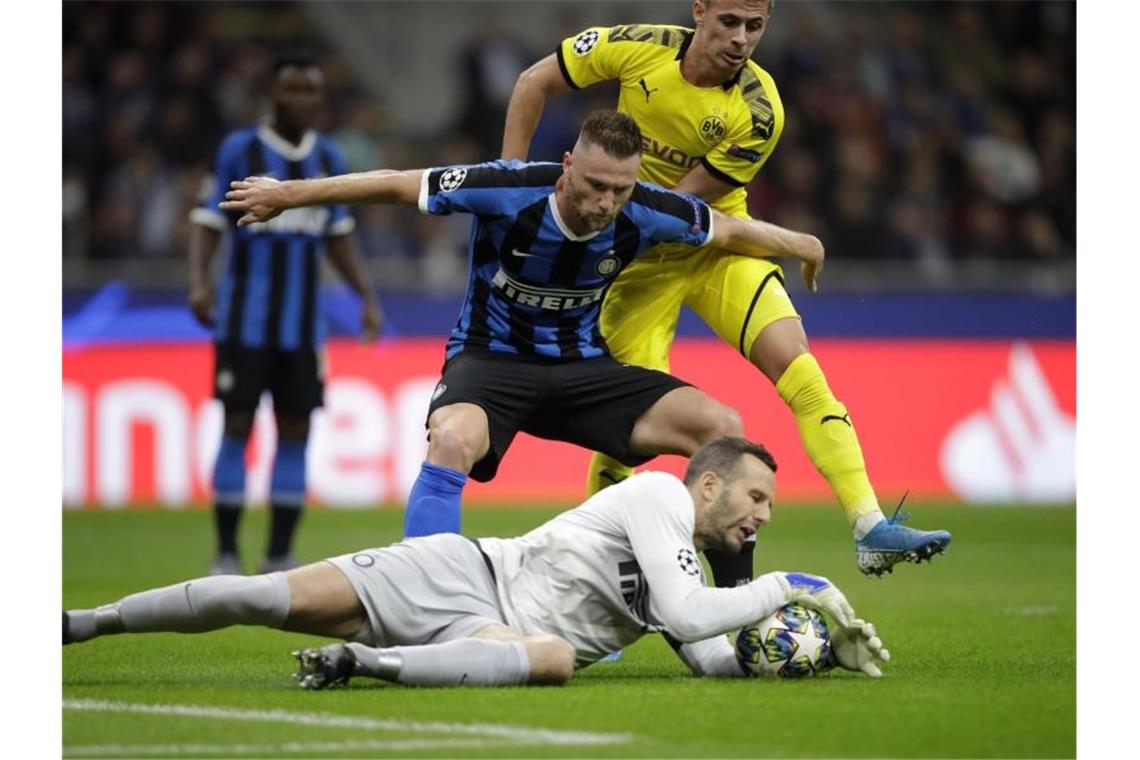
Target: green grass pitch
983,645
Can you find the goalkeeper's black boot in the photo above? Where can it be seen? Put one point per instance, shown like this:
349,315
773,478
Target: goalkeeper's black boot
325,666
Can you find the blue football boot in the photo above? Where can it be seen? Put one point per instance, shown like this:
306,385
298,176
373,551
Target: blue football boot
891,542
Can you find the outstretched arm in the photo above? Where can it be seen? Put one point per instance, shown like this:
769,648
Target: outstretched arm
752,237
697,620
262,198
527,101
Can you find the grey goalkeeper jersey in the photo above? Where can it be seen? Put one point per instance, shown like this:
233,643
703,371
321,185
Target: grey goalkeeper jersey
622,565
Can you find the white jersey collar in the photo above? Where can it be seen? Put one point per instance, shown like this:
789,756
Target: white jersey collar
562,225
285,148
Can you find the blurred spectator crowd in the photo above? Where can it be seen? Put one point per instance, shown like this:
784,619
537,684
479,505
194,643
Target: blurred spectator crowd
928,131
921,131
149,90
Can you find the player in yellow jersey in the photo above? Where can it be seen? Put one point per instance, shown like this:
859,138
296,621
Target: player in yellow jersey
710,117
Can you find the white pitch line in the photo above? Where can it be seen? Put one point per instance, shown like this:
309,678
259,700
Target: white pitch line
516,734
397,745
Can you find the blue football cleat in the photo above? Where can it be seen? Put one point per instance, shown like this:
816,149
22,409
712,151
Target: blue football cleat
891,542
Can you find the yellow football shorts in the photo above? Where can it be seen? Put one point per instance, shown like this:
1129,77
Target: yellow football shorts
737,296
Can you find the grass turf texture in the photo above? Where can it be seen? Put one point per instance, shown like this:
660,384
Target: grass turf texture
983,643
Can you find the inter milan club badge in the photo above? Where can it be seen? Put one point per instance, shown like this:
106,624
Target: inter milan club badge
607,266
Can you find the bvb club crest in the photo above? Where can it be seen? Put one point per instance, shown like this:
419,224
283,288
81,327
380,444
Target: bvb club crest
712,129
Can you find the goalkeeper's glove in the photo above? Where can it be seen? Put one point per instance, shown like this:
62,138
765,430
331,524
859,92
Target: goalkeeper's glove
854,642
816,592
858,647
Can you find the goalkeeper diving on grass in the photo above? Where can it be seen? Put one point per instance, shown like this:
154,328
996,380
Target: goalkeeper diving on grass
526,353
446,610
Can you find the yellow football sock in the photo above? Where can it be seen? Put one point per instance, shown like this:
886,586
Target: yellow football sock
828,436
604,471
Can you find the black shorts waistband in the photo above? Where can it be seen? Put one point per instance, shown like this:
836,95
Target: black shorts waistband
521,358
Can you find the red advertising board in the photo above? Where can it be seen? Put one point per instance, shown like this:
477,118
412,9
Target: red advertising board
953,419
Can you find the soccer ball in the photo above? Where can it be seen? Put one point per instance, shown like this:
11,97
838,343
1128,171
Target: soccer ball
793,642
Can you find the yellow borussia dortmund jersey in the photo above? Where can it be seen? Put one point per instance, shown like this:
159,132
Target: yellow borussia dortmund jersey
730,128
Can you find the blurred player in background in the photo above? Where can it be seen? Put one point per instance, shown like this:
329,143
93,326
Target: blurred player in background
711,117
445,610
268,333
526,353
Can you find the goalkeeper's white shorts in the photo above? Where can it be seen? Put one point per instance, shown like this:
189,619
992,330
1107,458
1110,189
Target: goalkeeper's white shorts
425,590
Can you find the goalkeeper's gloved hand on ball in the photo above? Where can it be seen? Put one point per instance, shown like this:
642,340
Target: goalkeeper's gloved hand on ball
816,592
854,643
858,647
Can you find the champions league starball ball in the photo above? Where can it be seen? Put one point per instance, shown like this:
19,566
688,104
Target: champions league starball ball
793,642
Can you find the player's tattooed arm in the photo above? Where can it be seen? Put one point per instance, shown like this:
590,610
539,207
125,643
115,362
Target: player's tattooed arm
752,237
262,198
527,101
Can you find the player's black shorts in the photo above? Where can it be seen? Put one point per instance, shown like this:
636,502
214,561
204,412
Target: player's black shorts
593,403
294,378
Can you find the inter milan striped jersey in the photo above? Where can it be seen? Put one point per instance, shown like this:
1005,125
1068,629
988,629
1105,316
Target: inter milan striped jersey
535,288
268,296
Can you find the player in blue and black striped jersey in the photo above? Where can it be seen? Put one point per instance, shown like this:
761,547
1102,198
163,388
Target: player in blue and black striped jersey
268,334
535,286
526,353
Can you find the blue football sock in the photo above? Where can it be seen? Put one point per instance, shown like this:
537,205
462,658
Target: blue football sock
229,492
286,496
287,484
229,473
433,504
